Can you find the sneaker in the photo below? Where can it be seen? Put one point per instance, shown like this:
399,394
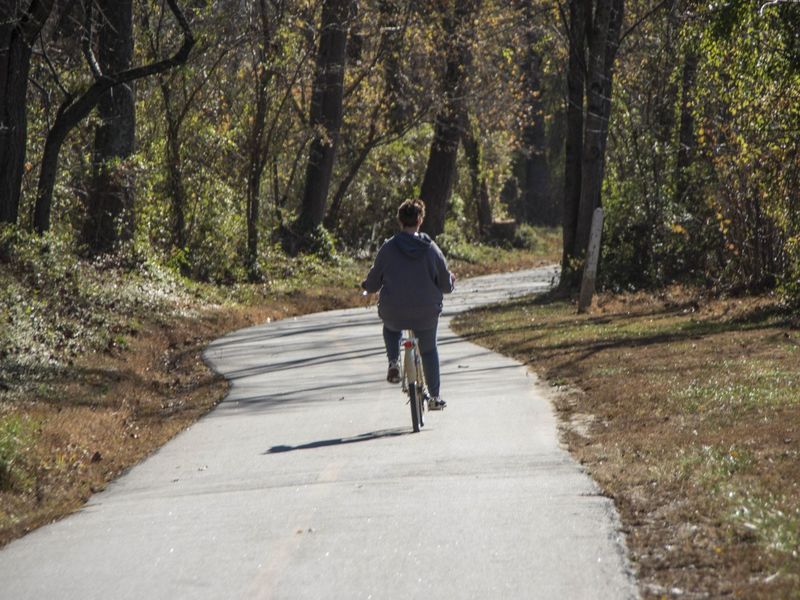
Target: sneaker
393,374
436,403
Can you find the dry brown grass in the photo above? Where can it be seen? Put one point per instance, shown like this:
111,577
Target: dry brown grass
686,410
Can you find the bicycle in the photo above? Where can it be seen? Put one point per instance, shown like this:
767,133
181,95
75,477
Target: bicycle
413,378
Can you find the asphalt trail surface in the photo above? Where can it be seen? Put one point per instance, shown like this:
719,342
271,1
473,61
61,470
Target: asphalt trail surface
306,482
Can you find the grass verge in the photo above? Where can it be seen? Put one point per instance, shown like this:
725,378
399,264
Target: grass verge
100,362
686,411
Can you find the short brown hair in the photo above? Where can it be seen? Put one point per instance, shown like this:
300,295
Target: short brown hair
410,211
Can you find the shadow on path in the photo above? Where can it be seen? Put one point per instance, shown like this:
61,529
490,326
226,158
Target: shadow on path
363,437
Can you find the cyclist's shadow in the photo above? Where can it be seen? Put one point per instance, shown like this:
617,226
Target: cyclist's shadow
362,437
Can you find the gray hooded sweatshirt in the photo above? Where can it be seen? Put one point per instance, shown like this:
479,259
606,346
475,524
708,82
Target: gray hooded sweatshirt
411,274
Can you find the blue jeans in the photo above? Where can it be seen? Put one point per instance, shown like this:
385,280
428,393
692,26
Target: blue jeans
427,349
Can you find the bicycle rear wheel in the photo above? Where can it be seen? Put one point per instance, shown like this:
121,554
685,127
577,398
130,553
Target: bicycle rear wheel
415,401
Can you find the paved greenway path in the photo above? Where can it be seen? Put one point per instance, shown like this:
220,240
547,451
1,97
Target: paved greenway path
307,483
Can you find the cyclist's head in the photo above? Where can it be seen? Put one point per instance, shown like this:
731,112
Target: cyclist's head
411,212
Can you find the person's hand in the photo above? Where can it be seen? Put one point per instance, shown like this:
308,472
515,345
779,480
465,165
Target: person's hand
367,298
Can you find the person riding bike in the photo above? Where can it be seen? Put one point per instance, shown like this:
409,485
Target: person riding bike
411,274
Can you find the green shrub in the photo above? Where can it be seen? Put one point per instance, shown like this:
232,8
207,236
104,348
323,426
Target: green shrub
790,283
455,245
528,237
16,436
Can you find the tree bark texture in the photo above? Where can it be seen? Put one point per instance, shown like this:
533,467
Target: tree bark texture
326,114
73,110
603,41
257,161
110,217
174,164
440,172
612,46
576,68
18,29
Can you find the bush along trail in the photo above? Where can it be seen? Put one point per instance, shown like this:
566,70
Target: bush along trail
100,361
686,410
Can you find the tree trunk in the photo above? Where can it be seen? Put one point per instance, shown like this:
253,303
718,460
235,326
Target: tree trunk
574,141
257,159
595,125
18,30
603,44
612,46
479,189
400,106
63,124
325,119
256,163
440,172
110,218
537,203
177,189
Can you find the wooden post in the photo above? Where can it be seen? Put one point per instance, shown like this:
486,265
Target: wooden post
592,257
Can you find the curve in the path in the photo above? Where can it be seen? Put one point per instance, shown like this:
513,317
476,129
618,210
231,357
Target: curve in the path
307,483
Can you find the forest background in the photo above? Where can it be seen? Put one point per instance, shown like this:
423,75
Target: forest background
158,157
222,128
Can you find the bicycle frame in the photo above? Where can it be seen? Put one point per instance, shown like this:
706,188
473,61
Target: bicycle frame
411,368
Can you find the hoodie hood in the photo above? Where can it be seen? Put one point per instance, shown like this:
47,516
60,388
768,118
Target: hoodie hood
413,246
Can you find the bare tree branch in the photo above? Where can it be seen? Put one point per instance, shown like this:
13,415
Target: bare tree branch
86,42
774,3
72,111
644,18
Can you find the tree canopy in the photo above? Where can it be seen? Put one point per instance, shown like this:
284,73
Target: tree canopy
215,134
